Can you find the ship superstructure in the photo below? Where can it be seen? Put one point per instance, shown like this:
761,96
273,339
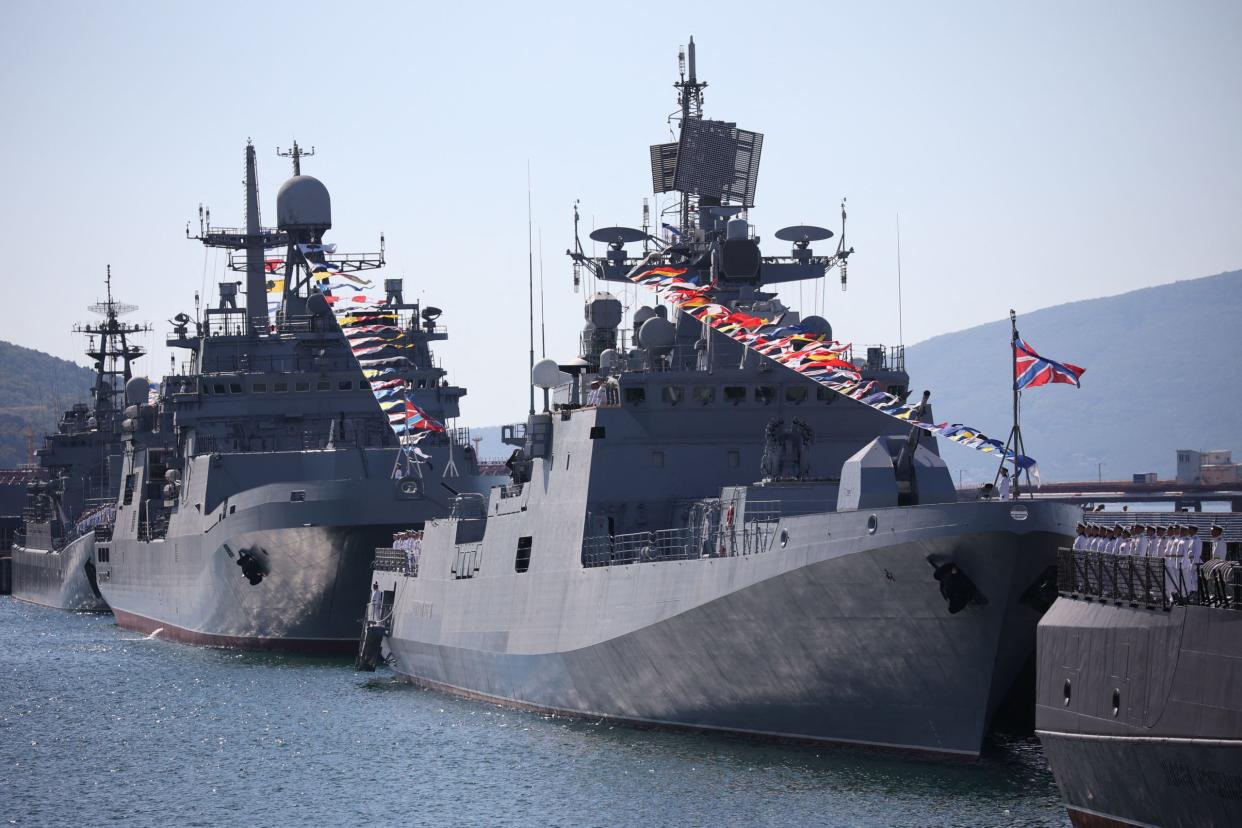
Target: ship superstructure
633,569
255,491
82,471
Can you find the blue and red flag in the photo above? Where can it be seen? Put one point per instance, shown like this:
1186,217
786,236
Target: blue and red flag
1031,369
418,420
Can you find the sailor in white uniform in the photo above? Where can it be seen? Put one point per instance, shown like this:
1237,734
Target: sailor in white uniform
1081,540
1218,542
1004,483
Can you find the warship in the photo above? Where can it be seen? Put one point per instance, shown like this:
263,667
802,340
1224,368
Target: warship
254,492
73,500
1139,695
633,570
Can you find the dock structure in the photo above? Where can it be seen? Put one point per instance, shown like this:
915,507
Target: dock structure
1187,496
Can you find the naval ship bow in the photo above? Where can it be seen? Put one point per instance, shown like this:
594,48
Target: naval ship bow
280,454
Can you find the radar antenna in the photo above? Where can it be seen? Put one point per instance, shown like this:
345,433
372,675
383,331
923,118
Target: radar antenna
297,154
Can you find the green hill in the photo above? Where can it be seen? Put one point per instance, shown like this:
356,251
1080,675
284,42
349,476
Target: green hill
36,389
1164,371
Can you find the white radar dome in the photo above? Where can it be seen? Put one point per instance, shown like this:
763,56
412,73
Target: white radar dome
547,374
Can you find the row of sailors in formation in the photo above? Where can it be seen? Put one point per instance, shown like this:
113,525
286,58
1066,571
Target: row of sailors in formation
1141,541
1180,546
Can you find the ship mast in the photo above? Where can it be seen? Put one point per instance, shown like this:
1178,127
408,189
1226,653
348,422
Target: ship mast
114,354
691,99
254,240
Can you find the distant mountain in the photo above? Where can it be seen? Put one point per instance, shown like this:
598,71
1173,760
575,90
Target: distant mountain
34,389
1164,371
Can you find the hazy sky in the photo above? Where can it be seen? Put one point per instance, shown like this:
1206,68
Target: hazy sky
1036,156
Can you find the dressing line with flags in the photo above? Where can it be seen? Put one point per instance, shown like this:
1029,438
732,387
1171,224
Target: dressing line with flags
817,358
376,341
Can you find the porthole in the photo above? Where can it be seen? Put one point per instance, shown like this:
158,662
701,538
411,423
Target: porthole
1067,691
873,523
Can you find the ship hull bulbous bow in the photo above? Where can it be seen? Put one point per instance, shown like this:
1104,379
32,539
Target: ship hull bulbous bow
856,646
61,580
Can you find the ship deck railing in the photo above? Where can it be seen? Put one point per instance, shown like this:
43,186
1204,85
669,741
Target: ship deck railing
716,538
1160,583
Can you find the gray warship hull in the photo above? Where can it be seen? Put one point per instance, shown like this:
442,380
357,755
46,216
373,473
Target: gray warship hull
314,551
63,579
842,636
1139,712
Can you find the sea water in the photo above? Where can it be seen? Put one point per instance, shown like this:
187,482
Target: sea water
99,726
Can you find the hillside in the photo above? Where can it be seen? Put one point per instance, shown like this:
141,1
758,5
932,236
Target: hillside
36,388
1164,371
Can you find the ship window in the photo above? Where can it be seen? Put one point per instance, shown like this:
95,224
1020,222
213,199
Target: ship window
301,386
235,388
102,554
345,385
735,393
259,387
795,393
597,432
281,386
298,496
422,383
704,394
206,388
896,390
364,383
673,394
735,458
635,395
130,480
765,394
219,388
657,459
825,395
521,563
323,385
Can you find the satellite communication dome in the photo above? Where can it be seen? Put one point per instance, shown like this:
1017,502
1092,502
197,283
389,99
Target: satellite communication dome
817,325
657,334
546,374
642,315
136,391
607,360
303,203
318,305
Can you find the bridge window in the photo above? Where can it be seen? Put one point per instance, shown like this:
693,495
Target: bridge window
735,394
301,386
521,562
825,395
259,388
704,394
323,385
235,388
281,386
765,394
635,395
796,394
345,385
673,394
206,388
297,497
219,389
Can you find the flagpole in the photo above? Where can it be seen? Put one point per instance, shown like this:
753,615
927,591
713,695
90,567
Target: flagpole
1017,428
